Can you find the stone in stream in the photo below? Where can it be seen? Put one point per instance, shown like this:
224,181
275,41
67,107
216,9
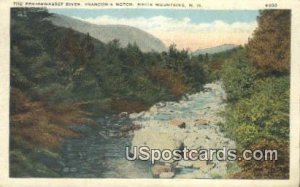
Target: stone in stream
201,122
123,115
166,175
199,164
178,123
157,169
127,128
203,165
136,115
185,163
197,174
155,138
160,104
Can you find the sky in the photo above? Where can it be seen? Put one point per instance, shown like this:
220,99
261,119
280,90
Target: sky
188,29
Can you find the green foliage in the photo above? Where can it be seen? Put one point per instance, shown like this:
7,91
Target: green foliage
66,66
57,72
256,81
261,113
29,162
232,168
257,110
238,76
264,113
269,48
213,64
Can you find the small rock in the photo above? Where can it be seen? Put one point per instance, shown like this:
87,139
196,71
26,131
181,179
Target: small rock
178,123
200,164
123,115
168,164
158,169
166,175
136,115
184,163
127,128
201,122
160,104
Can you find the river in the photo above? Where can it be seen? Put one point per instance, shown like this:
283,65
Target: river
100,152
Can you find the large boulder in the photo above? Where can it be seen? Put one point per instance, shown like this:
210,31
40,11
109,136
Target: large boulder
155,138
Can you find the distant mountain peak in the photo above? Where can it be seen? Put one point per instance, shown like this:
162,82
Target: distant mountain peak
106,33
216,49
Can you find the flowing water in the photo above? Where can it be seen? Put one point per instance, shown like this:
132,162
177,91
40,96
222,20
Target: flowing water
100,152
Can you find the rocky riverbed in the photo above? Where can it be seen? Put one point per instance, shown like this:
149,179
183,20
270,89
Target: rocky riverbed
191,123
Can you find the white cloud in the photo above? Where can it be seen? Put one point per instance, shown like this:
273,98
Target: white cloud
183,32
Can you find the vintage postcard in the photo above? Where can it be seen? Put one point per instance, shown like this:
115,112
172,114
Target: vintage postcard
149,93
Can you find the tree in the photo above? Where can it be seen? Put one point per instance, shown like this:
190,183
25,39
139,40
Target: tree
238,77
269,48
206,59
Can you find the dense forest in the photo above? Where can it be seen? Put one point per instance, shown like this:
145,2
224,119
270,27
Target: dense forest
61,77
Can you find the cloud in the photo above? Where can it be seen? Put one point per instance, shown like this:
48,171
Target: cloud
183,32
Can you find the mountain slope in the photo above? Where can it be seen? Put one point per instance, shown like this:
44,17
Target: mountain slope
213,50
106,33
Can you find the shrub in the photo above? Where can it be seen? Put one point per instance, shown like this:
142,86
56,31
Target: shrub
263,114
269,169
238,77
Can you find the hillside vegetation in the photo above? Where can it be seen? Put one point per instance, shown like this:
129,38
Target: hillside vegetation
60,77
257,82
